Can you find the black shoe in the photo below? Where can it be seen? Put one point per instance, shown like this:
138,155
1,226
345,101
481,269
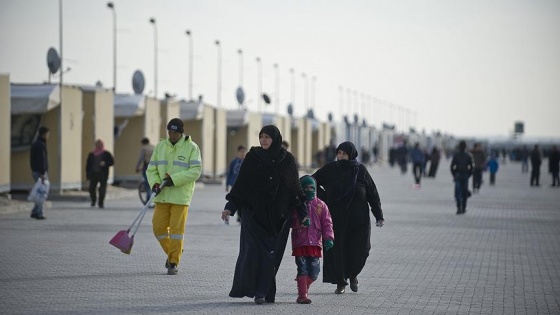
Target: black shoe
40,217
101,206
259,300
172,270
33,215
340,288
167,264
93,204
354,284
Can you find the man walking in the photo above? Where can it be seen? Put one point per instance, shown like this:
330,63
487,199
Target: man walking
461,168
39,166
177,162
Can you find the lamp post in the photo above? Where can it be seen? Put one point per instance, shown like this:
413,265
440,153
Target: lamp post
306,91
276,88
313,81
240,52
153,21
112,7
293,89
189,35
219,94
259,83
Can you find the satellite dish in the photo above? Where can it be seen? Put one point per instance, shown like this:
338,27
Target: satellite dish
310,114
330,117
290,110
53,60
266,98
138,82
240,95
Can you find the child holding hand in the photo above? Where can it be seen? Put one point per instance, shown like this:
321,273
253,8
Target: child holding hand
307,240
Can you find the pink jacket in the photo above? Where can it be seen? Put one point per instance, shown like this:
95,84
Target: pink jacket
321,226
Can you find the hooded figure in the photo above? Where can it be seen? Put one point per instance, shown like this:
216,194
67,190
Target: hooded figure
349,192
266,191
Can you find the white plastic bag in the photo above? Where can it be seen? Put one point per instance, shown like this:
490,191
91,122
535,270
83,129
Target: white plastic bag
39,192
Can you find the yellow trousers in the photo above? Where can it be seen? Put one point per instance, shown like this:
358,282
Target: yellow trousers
169,228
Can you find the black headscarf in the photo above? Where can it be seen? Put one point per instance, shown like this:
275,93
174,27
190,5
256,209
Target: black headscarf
275,152
350,149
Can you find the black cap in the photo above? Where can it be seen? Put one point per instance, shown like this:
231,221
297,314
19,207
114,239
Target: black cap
175,124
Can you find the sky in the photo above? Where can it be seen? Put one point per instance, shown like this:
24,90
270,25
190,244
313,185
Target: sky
460,67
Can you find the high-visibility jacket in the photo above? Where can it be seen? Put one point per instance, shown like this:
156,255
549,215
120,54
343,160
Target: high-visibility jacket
182,161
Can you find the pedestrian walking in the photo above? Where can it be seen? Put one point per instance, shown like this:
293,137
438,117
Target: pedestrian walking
234,166
307,241
493,166
349,192
479,157
177,161
97,172
462,166
418,160
142,164
435,156
38,159
266,190
553,165
536,160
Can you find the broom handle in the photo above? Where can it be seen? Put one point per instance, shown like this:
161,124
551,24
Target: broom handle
142,213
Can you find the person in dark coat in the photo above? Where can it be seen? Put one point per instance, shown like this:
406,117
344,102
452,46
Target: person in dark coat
97,172
462,166
435,156
267,186
349,192
554,165
535,165
39,162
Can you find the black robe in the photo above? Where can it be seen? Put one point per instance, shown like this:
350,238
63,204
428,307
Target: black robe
350,216
263,193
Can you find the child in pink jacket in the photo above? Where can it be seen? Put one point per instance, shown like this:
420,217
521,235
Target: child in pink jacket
307,241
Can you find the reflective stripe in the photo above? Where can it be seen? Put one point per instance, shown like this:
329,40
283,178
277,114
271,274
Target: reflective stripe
195,162
160,237
179,163
163,162
176,236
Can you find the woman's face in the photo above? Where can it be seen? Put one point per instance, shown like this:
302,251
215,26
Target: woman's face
265,140
341,155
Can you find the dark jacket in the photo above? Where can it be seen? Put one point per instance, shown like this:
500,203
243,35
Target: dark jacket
38,156
536,158
553,161
266,190
462,163
92,164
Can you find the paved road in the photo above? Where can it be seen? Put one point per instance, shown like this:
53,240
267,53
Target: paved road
502,257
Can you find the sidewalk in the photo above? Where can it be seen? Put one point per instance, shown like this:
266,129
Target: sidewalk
501,257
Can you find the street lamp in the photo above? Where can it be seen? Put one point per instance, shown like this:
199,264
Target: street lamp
188,32
153,21
293,88
240,52
259,83
219,73
306,81
276,88
112,7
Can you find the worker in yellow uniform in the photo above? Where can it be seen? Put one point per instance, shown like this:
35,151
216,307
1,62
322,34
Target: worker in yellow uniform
177,161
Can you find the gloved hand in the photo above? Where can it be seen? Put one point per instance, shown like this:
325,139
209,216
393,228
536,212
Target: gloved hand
379,223
168,180
328,244
156,189
306,221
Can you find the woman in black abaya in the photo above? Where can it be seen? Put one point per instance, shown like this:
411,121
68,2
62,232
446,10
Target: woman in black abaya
349,191
266,188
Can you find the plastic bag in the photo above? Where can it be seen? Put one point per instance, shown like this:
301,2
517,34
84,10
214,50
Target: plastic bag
39,192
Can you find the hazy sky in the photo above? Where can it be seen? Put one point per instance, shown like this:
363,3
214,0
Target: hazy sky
464,67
